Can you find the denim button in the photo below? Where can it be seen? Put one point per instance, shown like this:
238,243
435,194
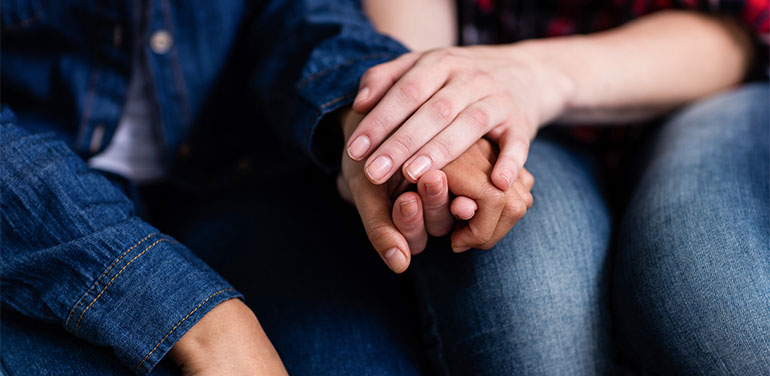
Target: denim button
161,41
117,35
96,138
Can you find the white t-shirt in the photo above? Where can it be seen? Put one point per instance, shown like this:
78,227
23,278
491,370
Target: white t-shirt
135,151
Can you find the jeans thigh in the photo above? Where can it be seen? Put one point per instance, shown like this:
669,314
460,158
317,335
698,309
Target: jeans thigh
692,281
537,302
300,256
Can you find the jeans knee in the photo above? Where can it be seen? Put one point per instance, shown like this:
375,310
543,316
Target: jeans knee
690,296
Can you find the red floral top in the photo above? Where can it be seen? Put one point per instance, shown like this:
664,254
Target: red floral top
506,21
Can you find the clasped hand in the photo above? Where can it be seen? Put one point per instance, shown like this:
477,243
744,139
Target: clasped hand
454,120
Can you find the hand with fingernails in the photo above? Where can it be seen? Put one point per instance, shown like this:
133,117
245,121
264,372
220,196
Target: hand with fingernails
424,109
486,213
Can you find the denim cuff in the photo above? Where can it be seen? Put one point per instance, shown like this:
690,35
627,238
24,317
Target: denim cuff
147,297
323,93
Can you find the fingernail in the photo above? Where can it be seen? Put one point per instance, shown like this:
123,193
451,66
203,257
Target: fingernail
409,208
460,249
418,166
379,167
506,180
362,95
433,189
395,259
359,147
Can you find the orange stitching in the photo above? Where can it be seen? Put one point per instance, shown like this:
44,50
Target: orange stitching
179,323
113,279
96,283
335,100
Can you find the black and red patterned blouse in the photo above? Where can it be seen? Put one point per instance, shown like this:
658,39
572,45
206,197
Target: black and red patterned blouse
507,21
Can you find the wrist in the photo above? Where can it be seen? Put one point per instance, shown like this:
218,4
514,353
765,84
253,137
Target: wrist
556,82
230,338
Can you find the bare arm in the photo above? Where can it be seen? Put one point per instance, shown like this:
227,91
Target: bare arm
633,72
648,66
426,108
420,25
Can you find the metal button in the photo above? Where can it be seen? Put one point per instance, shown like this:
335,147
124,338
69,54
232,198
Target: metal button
161,41
96,138
117,35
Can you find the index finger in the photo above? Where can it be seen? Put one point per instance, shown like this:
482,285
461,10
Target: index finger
409,92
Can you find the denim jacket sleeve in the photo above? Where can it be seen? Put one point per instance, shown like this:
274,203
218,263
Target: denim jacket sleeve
314,54
74,253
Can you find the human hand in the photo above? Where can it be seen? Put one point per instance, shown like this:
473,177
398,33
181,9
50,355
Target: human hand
227,341
373,203
429,211
438,103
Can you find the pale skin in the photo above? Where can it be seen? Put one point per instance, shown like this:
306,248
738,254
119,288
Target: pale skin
504,93
426,108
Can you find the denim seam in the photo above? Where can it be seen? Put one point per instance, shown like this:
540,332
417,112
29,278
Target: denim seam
180,323
96,282
440,362
77,324
335,100
315,76
86,115
175,67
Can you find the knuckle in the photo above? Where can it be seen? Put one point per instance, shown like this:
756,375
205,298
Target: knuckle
380,124
516,208
486,246
481,77
400,146
506,97
372,74
494,196
378,232
442,109
439,151
435,205
527,178
410,91
479,117
440,55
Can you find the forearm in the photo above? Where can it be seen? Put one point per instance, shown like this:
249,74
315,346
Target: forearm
228,340
646,67
420,25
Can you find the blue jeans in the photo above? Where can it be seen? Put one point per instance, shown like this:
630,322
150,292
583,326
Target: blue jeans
692,273
677,283
674,280
326,301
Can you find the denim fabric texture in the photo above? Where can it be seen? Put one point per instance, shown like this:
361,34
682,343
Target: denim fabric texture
691,292
674,282
73,250
328,304
74,253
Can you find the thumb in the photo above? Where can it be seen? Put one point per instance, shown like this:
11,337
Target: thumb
374,207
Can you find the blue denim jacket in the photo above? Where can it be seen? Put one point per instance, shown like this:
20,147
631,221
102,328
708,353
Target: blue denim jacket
73,250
